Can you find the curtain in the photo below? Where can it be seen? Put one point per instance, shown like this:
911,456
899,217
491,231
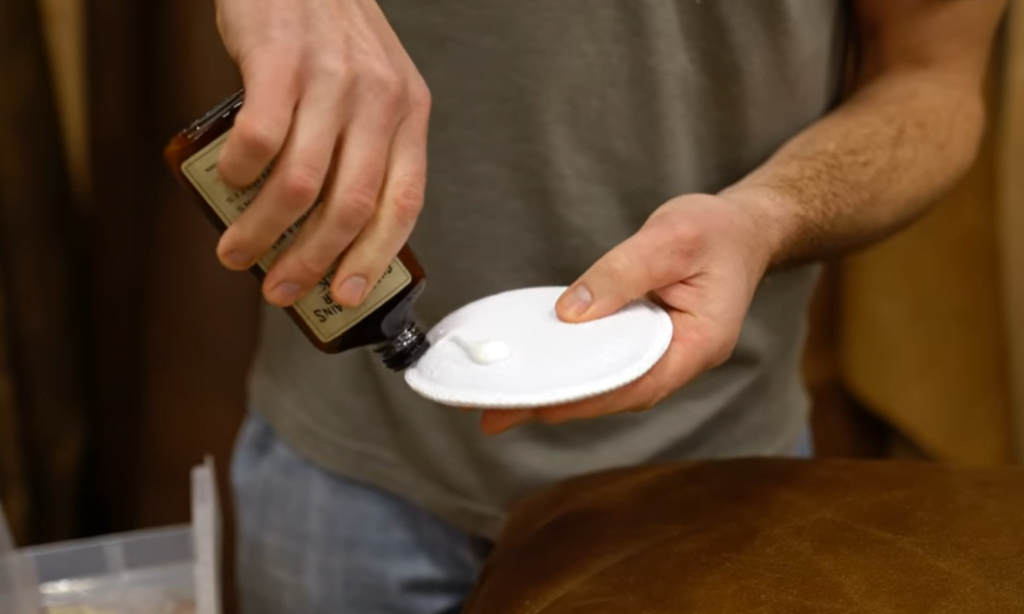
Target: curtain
1010,215
41,406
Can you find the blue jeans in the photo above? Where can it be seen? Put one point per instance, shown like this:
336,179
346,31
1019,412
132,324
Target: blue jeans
313,542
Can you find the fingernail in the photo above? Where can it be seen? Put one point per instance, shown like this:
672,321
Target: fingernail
286,292
577,301
238,259
350,292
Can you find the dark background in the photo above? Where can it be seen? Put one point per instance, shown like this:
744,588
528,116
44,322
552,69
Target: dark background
124,346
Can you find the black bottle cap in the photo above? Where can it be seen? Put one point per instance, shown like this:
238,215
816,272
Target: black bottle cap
404,349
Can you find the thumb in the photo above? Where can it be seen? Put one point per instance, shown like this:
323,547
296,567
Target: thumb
635,267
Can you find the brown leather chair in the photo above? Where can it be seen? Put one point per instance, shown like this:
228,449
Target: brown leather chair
765,536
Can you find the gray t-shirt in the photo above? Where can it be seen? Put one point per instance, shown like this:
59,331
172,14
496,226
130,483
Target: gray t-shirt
558,127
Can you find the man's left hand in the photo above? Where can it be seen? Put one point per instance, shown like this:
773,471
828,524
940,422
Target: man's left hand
699,256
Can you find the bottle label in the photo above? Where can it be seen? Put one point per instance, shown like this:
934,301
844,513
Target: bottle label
325,318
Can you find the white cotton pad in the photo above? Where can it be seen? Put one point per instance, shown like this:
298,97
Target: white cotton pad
511,351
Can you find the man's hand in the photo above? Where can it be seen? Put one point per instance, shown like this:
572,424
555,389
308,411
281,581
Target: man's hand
334,101
865,170
701,257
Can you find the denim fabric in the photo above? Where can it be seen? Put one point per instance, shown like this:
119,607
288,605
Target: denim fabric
312,542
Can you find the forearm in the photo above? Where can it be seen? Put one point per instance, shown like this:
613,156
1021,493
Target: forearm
868,168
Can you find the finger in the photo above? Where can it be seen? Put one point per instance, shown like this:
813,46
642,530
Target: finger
643,263
497,421
261,125
349,203
289,193
392,223
695,348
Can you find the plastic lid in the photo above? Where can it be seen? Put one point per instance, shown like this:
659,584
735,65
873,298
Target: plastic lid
18,587
206,531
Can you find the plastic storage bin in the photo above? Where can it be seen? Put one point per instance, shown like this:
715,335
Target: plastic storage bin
172,570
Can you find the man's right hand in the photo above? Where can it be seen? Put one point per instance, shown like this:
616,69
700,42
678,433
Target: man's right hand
331,98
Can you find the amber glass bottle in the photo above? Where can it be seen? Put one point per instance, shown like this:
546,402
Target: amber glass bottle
383,320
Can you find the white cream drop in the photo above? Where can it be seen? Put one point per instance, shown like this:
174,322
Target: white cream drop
484,352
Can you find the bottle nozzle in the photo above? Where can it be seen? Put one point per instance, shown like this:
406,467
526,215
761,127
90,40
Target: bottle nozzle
404,349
